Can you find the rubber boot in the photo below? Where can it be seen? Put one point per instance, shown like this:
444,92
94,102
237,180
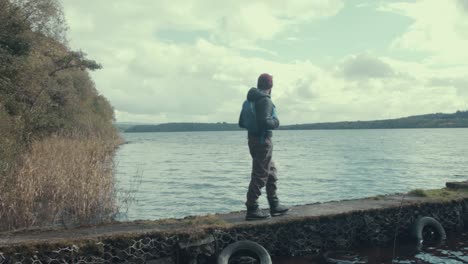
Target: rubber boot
254,213
276,209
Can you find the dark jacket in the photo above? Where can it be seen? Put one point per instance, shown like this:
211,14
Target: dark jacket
263,108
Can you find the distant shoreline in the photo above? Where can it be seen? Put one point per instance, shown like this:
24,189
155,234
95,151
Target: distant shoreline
282,129
458,119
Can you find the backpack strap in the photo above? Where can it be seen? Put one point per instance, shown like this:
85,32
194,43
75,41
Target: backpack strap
262,139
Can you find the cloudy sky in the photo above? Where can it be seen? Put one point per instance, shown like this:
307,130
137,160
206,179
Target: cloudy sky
332,60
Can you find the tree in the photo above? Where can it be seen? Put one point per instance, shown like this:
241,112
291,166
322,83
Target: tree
74,59
45,17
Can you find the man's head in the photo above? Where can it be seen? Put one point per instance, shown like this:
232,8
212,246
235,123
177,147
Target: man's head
265,81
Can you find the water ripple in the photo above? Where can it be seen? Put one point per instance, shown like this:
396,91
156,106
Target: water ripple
198,173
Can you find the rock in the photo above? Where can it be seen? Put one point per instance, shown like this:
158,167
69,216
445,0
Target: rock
457,185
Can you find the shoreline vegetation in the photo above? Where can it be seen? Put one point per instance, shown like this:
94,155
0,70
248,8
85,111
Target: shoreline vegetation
458,119
57,141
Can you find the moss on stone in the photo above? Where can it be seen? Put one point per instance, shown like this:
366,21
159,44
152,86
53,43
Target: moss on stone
418,192
187,221
440,194
205,220
378,197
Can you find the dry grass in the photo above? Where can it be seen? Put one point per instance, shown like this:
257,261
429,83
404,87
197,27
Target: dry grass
61,180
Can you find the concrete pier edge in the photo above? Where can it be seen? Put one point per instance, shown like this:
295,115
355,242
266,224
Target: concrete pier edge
307,229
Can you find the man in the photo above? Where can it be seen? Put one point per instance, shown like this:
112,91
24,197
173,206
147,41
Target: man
261,149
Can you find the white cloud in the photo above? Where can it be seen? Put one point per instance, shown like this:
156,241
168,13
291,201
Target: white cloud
364,66
149,78
439,28
207,83
463,4
231,22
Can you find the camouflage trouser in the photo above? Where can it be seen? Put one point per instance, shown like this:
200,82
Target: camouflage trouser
263,170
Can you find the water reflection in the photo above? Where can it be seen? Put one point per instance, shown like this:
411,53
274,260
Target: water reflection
453,251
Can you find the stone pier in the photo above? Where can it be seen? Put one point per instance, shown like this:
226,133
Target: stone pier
307,229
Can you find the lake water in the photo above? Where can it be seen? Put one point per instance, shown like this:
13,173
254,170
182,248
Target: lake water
453,251
195,173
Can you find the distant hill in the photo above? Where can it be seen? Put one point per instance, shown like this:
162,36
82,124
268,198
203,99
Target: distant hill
123,126
438,120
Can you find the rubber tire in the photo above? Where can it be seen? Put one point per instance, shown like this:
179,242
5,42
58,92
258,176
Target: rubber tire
420,223
256,248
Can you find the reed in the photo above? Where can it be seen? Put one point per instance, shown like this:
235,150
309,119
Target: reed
60,180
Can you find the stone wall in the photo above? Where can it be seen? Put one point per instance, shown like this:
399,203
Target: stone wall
297,236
